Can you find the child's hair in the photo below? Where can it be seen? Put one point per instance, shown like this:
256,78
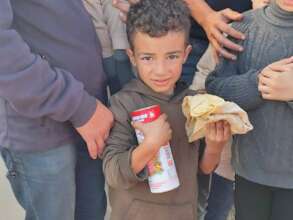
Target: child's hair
158,17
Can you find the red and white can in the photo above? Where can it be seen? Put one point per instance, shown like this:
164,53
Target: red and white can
162,171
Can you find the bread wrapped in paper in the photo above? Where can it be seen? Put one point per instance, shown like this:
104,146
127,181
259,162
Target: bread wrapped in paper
204,108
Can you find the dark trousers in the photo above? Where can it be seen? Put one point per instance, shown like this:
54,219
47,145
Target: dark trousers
259,202
189,67
91,199
221,198
118,70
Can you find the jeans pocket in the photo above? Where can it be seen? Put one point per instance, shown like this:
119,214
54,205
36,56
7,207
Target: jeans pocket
13,175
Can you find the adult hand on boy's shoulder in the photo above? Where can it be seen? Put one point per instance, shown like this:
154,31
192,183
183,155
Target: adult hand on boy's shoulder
276,80
215,24
97,129
259,3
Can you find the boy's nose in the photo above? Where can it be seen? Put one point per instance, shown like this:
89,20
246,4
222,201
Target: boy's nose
161,68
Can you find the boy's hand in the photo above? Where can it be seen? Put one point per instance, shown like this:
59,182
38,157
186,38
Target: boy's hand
156,133
217,135
96,130
276,80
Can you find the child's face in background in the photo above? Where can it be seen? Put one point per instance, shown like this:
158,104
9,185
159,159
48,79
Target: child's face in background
159,60
287,5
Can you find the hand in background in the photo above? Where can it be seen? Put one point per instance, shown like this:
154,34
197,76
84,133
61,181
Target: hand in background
123,6
276,80
96,130
259,3
216,26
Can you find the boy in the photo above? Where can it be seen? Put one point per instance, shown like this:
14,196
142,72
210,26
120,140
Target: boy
158,32
221,195
112,35
260,81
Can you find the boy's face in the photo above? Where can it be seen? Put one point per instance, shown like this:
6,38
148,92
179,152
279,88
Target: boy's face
159,59
287,5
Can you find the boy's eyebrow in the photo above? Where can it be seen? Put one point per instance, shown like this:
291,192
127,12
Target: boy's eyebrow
149,54
177,51
171,52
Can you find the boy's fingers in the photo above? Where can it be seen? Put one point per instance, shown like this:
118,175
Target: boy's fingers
264,79
278,67
227,130
163,117
284,61
211,128
263,89
219,130
137,125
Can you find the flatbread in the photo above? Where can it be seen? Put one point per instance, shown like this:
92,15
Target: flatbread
202,109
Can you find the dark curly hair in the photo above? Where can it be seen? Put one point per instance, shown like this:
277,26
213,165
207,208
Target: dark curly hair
158,17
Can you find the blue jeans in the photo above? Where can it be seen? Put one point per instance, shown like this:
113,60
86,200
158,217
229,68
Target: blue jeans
189,67
221,198
55,184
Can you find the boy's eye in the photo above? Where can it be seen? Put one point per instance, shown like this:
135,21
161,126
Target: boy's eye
146,58
173,57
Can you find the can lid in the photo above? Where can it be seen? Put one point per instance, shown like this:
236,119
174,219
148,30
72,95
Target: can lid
149,114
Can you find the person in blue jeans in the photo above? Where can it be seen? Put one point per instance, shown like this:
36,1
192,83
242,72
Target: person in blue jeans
53,121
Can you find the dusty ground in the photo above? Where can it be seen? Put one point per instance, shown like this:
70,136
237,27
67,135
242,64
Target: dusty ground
9,208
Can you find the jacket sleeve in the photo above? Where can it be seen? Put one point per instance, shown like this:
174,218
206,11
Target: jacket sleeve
118,152
116,27
226,82
205,66
34,88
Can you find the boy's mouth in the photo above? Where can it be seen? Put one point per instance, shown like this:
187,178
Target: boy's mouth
161,82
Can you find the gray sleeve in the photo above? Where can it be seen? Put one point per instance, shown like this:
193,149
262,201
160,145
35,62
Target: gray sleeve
118,151
33,87
230,81
290,103
226,82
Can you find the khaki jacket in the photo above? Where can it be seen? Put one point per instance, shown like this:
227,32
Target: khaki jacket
129,194
109,27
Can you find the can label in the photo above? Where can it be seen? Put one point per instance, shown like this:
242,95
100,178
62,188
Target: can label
162,171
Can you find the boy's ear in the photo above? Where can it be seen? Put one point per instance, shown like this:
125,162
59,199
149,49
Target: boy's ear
130,54
187,52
